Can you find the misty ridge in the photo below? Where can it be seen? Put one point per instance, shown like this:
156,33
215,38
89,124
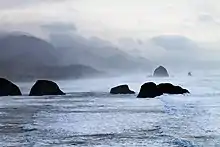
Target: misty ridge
26,57
62,56
67,54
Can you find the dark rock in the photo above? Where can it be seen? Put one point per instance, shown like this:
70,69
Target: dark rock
122,89
7,88
149,90
44,87
160,72
189,74
167,88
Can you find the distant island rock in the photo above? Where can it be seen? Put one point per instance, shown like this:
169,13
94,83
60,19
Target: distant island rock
189,74
160,72
7,88
122,89
151,90
45,87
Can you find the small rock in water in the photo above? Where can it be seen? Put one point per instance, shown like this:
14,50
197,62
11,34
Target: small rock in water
122,89
189,74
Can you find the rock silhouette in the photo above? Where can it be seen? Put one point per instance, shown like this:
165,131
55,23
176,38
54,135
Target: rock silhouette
167,88
7,88
151,90
45,87
160,72
122,89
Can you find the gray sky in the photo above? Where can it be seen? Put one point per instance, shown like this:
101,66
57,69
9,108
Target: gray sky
113,19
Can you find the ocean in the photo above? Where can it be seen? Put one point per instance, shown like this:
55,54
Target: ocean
88,116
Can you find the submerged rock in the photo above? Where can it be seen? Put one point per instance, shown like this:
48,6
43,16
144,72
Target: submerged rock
122,89
7,88
149,90
167,88
160,72
45,87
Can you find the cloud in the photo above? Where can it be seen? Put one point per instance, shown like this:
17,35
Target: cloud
10,4
59,27
13,4
205,17
174,42
208,18
113,19
90,51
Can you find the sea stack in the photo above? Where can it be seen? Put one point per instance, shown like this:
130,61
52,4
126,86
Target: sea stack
7,88
160,72
122,89
151,90
168,88
45,87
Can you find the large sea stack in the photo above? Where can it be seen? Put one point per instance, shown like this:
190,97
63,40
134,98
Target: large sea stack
160,72
45,87
167,88
7,88
151,90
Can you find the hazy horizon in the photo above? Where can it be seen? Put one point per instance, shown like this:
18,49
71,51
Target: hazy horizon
121,34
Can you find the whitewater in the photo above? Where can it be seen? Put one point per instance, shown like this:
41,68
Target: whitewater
88,116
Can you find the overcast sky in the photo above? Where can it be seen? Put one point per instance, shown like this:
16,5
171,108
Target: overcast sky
112,19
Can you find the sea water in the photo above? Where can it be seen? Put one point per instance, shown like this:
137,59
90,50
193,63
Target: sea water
89,116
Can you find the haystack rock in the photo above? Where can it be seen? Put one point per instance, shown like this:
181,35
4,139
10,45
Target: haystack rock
122,89
161,72
45,87
7,88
